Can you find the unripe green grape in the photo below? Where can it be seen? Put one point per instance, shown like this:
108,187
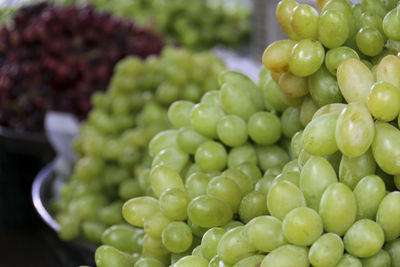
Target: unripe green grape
264,128
387,142
208,211
384,101
211,156
388,215
163,178
178,113
354,130
327,250
382,258
210,241
370,41
283,12
369,193
293,85
352,170
306,58
196,184
232,130
189,139
107,256
364,238
252,205
333,28
287,256
338,208
233,246
225,189
294,198
304,22
334,57
318,137
315,177
177,237
355,80
173,204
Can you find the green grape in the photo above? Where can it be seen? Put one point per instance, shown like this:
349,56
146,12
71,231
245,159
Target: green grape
155,224
306,58
217,262
384,101
296,143
208,211
293,85
189,140
264,128
270,156
111,214
88,168
171,157
86,207
173,204
387,142
275,171
352,170
177,237
391,25
211,97
290,122
324,88
210,241
308,108
252,205
388,215
318,137
69,227
129,188
232,130
211,156
284,11
245,153
120,237
166,93
369,193
354,130
232,224
197,251
334,57
204,118
326,250
191,261
333,28
315,177
225,189
291,166
196,184
355,80
107,256
291,194
163,178
250,261
388,70
198,231
277,55
393,248
349,261
370,41
304,22
336,108
136,210
364,238
265,233
302,226
153,246
240,178
293,177
114,176
233,246
338,208
162,141
148,262
382,258
290,100
287,256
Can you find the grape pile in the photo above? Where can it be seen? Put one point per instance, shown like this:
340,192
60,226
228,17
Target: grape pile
54,58
235,192
112,145
225,23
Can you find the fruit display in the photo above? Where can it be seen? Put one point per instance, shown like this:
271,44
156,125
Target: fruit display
230,189
112,147
54,58
226,23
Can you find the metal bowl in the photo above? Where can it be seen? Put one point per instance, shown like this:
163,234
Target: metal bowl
44,189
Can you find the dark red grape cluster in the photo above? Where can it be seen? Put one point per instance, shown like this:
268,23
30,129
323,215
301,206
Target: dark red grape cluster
54,58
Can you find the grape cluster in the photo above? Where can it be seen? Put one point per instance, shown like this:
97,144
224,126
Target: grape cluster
54,58
187,24
112,145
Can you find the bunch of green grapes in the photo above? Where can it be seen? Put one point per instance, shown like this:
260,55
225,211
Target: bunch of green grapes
199,25
112,145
